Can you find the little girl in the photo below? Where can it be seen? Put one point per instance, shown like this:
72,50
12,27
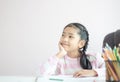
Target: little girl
71,58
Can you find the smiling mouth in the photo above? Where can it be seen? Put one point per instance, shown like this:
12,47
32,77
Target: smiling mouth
65,45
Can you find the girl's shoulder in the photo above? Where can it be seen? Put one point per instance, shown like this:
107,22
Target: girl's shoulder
92,56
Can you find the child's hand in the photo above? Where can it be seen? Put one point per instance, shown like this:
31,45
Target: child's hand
85,73
61,52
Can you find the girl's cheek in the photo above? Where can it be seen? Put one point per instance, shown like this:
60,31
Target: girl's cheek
61,39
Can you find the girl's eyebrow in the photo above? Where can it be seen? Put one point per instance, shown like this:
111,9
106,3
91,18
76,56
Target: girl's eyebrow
68,33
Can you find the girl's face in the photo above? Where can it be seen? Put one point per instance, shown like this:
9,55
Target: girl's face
70,39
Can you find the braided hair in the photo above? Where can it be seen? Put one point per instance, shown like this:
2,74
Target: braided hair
84,62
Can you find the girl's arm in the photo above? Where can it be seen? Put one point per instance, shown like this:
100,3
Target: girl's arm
50,67
98,67
85,73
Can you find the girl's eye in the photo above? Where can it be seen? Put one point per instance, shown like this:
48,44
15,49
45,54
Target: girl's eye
62,34
70,36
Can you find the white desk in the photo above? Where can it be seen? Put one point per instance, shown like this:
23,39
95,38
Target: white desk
50,79
70,79
17,79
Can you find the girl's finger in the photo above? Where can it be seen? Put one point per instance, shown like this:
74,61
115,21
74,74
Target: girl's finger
76,75
60,46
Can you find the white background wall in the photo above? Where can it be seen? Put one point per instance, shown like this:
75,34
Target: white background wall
30,29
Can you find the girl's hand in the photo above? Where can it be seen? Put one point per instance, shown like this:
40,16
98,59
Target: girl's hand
61,52
85,73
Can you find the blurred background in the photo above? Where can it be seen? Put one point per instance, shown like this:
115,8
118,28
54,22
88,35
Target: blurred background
30,29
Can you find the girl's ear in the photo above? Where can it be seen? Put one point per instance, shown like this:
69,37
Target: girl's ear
82,43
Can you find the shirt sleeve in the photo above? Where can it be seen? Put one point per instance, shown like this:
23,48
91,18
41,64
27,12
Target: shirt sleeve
50,67
99,65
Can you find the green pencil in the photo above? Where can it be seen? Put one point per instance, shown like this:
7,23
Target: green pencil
56,79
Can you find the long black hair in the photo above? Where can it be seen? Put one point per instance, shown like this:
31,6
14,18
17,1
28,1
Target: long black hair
84,35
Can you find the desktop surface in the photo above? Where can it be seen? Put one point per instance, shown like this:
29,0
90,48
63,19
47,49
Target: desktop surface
50,79
69,79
